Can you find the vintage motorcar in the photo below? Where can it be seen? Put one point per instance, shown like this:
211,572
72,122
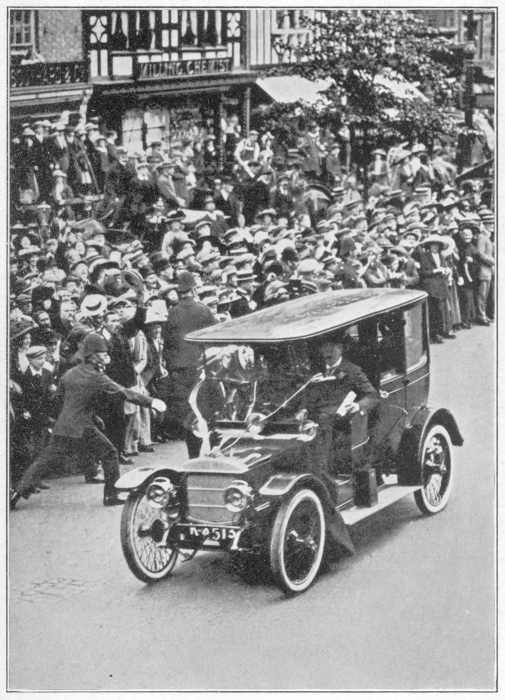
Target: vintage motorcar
254,491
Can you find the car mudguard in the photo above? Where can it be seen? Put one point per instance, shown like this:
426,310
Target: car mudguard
408,456
133,480
279,485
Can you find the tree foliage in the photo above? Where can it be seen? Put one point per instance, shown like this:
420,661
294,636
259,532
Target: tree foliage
358,48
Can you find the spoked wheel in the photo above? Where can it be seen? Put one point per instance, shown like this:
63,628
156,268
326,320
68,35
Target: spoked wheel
298,539
144,540
436,471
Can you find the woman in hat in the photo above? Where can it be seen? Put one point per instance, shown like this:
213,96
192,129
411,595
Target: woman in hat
61,193
20,342
434,275
467,267
375,273
450,255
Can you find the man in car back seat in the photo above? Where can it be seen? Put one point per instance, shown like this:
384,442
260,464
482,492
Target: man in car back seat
327,406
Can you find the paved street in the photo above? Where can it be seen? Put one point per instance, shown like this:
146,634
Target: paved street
413,609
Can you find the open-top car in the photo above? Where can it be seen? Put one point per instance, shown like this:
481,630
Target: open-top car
269,483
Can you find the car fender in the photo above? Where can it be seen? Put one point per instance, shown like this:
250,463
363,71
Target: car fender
408,456
280,485
136,478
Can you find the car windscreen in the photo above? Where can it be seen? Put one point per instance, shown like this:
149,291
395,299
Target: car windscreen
242,379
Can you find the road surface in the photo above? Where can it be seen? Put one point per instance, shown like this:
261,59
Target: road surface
412,609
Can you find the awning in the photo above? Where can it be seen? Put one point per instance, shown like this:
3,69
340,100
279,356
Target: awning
400,87
294,88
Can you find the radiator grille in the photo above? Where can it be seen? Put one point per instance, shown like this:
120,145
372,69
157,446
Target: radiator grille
205,498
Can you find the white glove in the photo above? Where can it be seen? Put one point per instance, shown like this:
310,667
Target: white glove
159,406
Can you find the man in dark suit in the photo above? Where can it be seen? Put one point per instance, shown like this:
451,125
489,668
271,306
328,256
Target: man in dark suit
117,332
227,201
182,358
331,404
75,430
37,402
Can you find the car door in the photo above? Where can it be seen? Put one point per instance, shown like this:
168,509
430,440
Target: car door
391,414
417,360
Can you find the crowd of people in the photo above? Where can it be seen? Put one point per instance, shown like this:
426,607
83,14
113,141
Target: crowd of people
140,248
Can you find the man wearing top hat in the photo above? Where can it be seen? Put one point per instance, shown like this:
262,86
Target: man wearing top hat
75,429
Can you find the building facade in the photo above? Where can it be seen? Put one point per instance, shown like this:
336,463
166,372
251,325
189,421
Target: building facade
147,71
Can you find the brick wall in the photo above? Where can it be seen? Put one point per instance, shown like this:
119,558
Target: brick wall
60,35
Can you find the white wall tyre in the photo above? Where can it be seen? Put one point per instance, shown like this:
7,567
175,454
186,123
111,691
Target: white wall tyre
143,540
297,542
436,471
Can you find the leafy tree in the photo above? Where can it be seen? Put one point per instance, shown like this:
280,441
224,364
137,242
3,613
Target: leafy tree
358,49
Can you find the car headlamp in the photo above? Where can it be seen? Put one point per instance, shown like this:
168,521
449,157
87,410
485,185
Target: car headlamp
160,491
237,496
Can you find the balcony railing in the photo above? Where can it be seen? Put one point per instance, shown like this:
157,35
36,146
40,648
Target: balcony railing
37,74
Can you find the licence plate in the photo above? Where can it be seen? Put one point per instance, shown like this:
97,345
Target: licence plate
215,534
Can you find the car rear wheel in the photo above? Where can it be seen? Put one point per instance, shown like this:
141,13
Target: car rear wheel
144,540
436,471
297,542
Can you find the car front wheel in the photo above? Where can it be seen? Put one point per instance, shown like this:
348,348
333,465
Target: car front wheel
144,540
436,471
297,542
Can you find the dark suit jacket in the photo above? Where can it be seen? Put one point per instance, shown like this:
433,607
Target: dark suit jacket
432,282
37,398
327,396
188,315
83,388
121,363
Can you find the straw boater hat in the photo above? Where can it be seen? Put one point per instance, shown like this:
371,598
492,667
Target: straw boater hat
93,305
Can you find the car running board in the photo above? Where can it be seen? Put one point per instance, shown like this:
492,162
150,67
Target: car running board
386,496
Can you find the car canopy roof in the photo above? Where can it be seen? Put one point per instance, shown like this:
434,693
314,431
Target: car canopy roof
307,316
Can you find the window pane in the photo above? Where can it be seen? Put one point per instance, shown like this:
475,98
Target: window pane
414,336
390,334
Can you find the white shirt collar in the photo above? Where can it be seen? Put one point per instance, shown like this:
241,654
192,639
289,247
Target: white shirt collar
332,368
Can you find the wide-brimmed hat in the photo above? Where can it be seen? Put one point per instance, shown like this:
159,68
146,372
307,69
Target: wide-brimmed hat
93,305
175,215
434,238
19,327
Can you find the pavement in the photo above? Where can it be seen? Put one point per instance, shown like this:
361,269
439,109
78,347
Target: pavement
414,608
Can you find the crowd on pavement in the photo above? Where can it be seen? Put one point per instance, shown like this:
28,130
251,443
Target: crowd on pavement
137,249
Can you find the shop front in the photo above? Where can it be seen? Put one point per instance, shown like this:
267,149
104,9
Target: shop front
160,74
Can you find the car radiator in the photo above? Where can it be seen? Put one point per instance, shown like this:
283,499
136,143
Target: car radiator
205,498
